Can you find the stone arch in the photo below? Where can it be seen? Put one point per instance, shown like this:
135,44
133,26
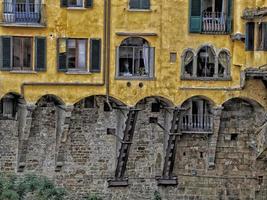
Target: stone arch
206,45
49,100
187,60
224,62
157,99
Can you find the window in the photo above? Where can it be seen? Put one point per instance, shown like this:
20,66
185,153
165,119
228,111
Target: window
262,36
22,53
250,29
206,64
73,53
139,4
135,58
17,53
8,106
210,16
77,3
197,116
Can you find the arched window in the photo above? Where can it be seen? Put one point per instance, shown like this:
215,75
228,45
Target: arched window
139,4
224,63
9,105
206,62
135,58
188,63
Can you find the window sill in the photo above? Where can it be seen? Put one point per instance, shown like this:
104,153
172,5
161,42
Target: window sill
138,10
78,73
76,8
206,78
23,72
135,78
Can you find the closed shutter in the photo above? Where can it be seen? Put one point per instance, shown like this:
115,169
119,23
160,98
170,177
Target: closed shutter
88,3
62,54
146,4
229,16
64,3
264,29
6,53
40,54
95,55
134,4
250,26
195,17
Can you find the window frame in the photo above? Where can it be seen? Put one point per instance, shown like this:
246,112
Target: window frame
139,8
76,6
261,33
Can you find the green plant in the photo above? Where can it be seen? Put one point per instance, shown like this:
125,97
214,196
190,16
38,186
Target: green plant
157,195
93,197
29,187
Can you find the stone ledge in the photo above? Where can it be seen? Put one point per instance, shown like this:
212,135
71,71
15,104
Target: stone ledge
118,183
167,181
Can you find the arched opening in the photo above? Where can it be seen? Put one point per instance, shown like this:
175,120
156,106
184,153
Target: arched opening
49,100
188,63
206,62
197,115
224,63
135,58
9,105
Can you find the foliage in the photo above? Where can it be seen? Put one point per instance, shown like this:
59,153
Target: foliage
157,195
29,187
93,197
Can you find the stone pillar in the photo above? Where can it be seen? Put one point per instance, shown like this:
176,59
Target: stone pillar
213,140
195,66
24,129
216,70
62,132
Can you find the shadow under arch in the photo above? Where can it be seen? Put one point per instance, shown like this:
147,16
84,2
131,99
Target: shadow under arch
157,99
255,104
49,100
199,97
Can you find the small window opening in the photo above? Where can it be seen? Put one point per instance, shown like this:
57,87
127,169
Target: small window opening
155,107
234,137
184,154
260,180
201,154
173,57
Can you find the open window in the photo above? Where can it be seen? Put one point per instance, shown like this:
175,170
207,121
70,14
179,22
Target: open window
188,63
77,3
197,116
9,106
224,63
262,36
210,16
135,58
206,62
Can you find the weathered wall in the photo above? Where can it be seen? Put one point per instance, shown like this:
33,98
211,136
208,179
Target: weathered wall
90,155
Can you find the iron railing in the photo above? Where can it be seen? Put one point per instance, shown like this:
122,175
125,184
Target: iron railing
197,123
214,22
23,13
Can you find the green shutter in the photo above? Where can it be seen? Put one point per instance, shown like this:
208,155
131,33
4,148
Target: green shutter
88,3
134,4
145,4
40,54
229,16
264,29
6,53
61,56
250,28
95,55
64,3
195,17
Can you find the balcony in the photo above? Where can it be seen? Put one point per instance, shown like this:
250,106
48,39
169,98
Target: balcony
23,14
197,124
214,22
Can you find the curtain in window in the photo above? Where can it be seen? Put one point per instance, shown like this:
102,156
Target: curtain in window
82,53
224,59
146,57
8,6
189,56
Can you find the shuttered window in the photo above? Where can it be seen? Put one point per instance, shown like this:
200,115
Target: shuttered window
95,55
250,27
40,53
139,4
195,16
6,53
76,3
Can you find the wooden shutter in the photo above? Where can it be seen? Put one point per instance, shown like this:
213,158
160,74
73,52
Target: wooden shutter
61,56
134,4
88,3
40,54
229,16
64,3
6,53
95,55
195,24
250,26
264,29
146,4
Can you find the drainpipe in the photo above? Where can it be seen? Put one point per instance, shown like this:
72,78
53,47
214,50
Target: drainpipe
107,38
106,57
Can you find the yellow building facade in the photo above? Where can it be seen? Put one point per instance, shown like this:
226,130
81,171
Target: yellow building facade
166,28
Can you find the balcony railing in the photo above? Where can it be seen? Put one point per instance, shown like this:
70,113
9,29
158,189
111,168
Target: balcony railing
23,13
197,123
214,22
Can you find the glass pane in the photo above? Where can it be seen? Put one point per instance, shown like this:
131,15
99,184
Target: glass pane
75,3
125,61
82,53
27,52
16,52
72,54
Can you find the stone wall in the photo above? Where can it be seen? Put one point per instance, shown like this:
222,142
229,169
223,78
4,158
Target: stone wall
90,154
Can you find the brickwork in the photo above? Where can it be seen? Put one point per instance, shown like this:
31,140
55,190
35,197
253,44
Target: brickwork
90,154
